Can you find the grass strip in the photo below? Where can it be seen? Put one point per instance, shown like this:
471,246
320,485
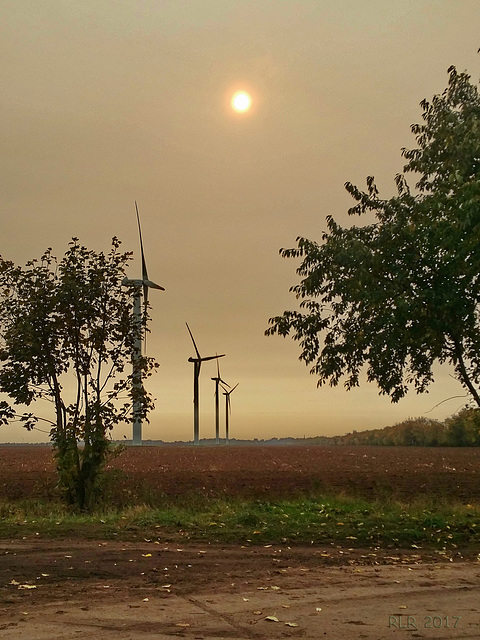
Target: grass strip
321,520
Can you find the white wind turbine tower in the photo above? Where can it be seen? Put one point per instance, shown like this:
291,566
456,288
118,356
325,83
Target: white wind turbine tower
228,410
140,287
217,381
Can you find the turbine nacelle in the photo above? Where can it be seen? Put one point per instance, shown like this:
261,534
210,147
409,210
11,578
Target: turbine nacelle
128,282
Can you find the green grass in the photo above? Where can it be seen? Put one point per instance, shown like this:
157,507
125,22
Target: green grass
321,519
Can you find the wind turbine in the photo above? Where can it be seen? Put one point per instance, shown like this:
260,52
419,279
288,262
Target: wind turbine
228,409
218,379
140,287
197,363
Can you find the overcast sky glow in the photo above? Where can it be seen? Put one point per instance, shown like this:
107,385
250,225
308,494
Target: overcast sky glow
104,103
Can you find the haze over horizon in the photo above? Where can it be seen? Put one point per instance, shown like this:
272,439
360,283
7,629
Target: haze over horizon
107,103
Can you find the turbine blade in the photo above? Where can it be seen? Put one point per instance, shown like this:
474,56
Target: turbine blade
152,285
211,357
227,393
195,346
144,264
218,373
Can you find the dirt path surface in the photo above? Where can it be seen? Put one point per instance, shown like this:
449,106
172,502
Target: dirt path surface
65,589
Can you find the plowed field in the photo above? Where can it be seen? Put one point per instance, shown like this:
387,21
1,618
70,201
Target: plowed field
261,471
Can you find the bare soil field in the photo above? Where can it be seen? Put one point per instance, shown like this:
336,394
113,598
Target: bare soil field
262,471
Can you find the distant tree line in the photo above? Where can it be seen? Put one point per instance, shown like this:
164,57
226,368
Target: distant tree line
459,430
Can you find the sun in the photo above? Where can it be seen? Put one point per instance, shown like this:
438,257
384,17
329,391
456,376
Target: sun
241,101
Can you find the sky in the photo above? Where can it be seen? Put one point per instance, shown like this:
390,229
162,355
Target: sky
104,103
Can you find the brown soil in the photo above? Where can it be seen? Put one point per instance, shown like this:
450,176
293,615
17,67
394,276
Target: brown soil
262,471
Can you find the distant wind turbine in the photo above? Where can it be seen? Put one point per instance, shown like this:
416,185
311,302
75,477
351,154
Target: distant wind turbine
228,410
217,380
140,287
197,363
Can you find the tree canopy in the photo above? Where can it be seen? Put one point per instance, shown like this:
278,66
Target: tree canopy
395,296
67,334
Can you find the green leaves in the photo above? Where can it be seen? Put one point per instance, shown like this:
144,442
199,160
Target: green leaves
397,295
64,317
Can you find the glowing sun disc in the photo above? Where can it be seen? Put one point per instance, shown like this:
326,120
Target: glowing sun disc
241,101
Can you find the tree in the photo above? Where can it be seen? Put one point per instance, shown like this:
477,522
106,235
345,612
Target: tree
396,295
67,333
463,428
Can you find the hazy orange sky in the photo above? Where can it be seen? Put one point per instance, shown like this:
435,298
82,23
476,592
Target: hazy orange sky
104,103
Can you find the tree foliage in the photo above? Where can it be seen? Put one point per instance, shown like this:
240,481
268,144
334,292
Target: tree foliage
395,296
67,334
412,432
463,428
460,430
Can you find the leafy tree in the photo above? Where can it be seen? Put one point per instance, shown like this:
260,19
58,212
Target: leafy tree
67,334
421,432
463,428
396,295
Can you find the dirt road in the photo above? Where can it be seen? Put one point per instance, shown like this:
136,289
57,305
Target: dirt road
60,590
